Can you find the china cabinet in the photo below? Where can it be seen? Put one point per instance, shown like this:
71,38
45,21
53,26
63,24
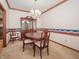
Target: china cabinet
28,24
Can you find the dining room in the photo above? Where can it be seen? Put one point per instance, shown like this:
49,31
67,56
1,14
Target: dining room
39,29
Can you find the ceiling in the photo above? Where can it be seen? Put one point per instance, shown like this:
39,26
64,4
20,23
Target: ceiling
28,5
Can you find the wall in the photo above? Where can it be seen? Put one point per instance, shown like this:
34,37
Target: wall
67,40
14,18
39,23
65,16
4,4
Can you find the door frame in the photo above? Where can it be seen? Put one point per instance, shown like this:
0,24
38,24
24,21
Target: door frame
4,24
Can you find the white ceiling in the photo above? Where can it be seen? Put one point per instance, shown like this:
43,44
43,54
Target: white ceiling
27,5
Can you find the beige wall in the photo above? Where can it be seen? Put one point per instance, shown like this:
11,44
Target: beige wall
68,40
65,16
14,18
3,2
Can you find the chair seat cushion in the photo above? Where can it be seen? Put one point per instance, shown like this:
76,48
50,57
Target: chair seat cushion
14,36
28,41
38,44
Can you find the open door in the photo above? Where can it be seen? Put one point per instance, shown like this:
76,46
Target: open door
2,27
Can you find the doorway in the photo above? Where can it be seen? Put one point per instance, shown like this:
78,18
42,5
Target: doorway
2,27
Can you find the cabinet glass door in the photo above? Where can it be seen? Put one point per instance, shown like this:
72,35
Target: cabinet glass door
26,25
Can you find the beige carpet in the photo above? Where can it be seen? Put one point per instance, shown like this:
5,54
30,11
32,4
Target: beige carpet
14,51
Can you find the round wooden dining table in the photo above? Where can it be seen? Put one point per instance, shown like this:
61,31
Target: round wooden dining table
33,35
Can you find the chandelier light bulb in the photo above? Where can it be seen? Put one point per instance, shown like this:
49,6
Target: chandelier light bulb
32,11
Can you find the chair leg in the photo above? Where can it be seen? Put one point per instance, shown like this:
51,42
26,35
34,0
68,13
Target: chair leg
41,53
13,40
34,50
48,50
23,47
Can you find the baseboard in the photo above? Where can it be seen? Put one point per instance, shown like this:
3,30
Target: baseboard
64,46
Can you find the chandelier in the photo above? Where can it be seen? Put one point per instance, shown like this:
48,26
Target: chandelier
35,13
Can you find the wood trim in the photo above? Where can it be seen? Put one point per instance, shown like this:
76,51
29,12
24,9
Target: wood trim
8,3
4,25
64,46
42,12
53,30
20,10
4,29
15,8
54,6
65,33
1,7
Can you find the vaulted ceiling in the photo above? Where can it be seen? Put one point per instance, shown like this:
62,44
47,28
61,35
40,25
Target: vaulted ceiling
27,5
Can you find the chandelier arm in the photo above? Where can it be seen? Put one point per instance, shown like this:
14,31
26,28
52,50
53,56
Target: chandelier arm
35,13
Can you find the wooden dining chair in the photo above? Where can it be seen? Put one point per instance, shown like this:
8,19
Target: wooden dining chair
14,36
26,41
42,43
